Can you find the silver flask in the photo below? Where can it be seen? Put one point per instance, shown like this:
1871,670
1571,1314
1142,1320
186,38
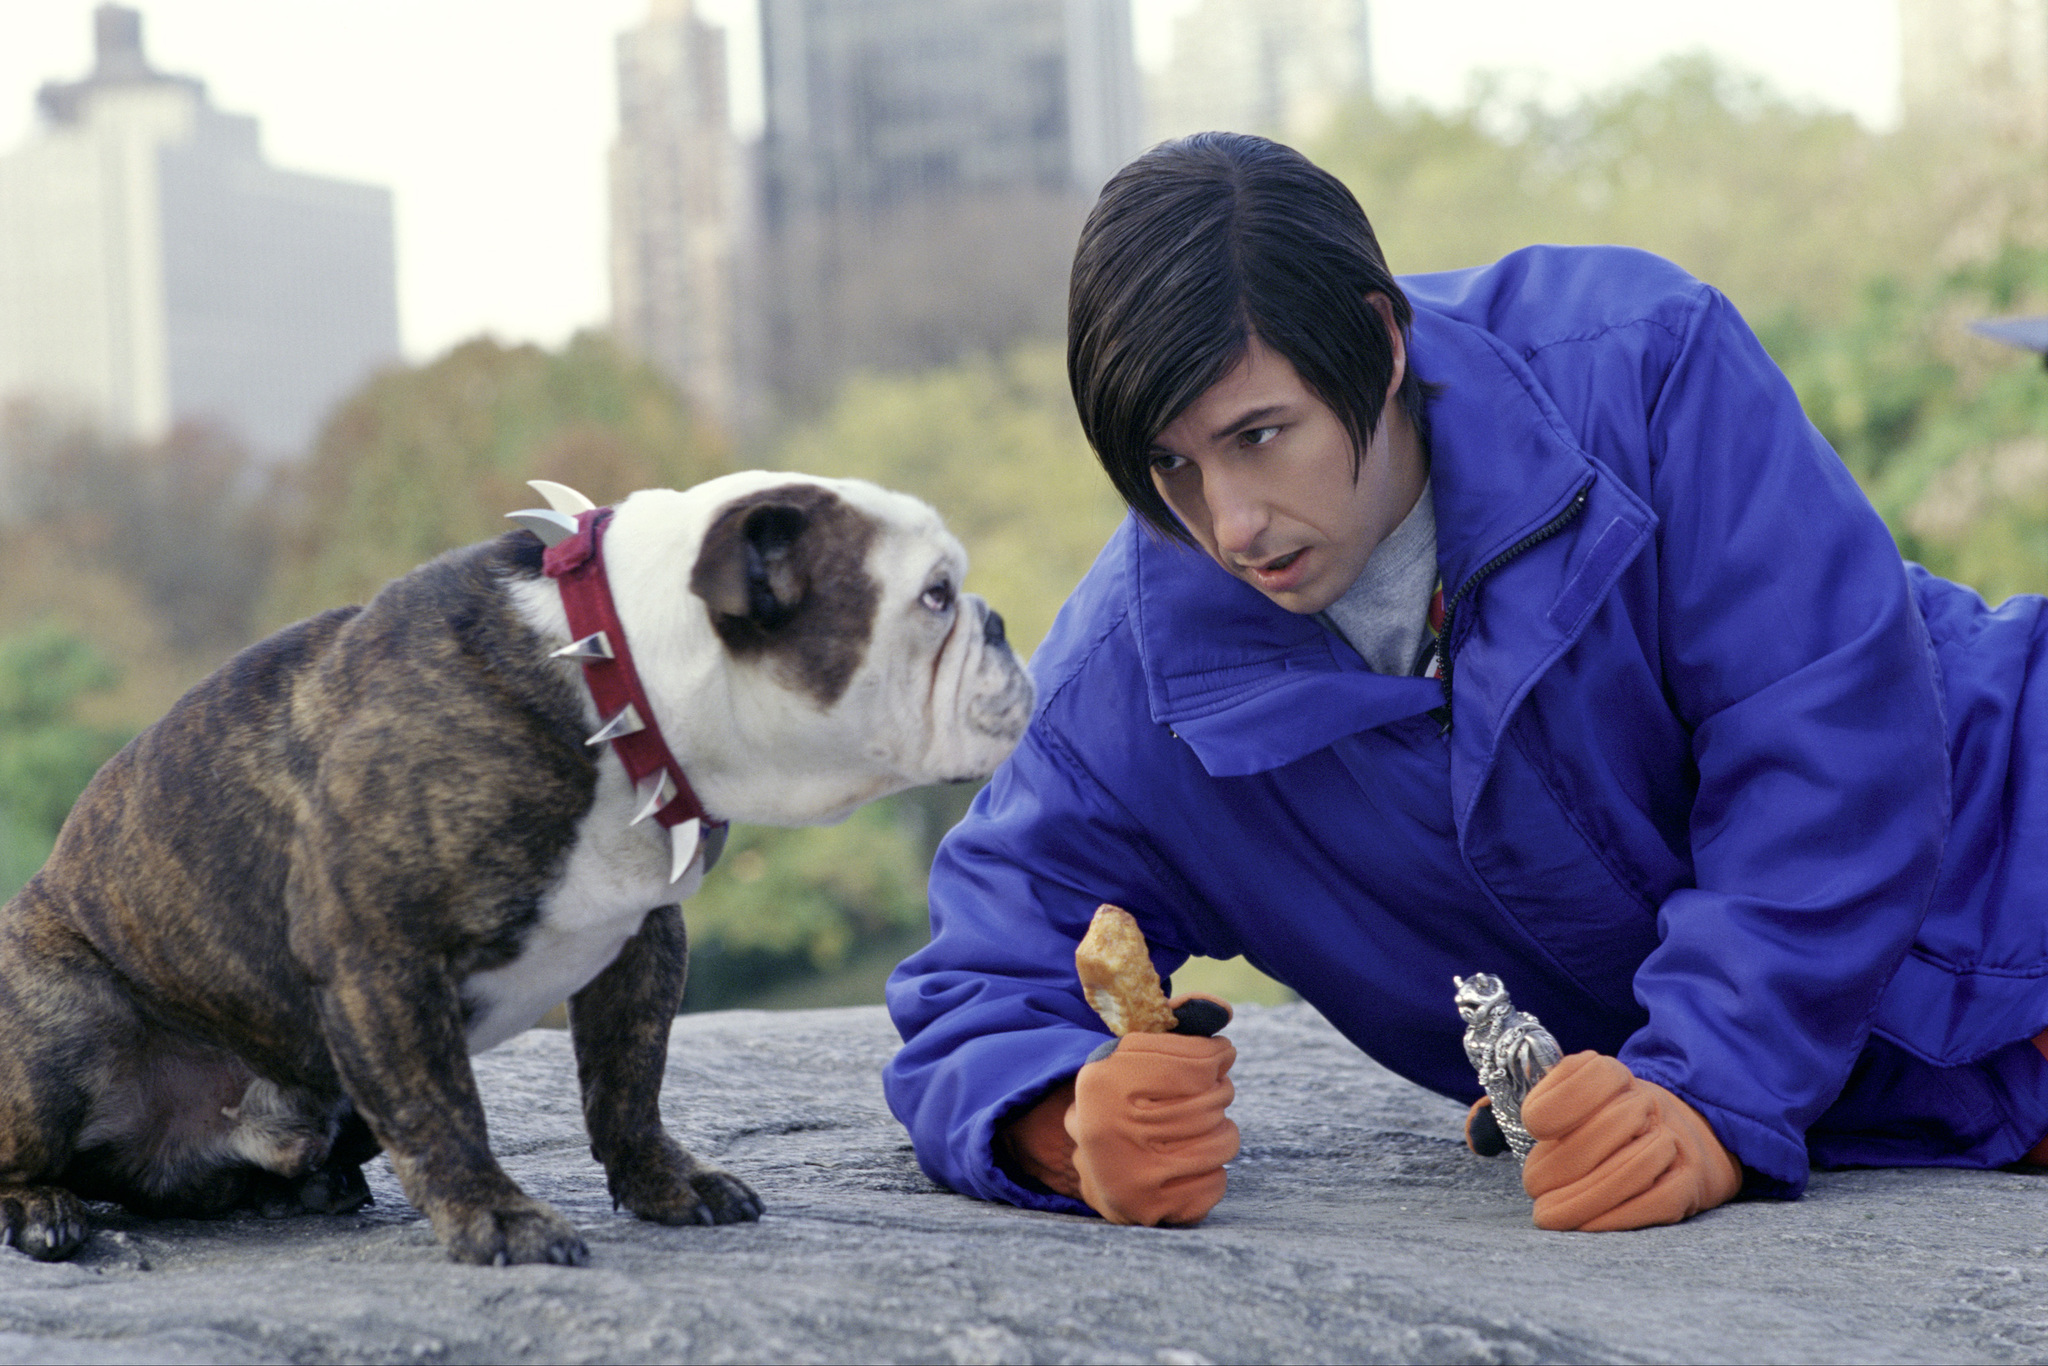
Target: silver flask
1509,1048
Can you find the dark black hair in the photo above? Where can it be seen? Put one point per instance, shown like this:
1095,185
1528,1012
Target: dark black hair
1190,250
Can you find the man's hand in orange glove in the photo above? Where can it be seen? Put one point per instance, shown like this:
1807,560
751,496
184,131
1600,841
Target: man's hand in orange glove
1614,1151
1140,1135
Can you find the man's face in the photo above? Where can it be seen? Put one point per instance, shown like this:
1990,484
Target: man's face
1260,471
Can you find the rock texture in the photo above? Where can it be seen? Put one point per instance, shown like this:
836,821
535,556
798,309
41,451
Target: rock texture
1357,1228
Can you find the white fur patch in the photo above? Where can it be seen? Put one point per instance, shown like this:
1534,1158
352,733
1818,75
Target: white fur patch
615,875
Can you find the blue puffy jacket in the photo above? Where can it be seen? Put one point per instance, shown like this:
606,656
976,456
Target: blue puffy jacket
1729,791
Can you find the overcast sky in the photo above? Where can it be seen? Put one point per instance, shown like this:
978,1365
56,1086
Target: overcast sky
489,119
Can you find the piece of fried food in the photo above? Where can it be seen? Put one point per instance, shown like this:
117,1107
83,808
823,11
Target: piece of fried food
1118,978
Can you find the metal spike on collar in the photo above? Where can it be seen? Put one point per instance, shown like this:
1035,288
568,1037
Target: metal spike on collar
659,793
596,645
625,723
683,842
561,497
552,527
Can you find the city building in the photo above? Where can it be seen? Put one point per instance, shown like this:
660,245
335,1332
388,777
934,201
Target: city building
679,209
1981,64
1277,67
155,268
923,170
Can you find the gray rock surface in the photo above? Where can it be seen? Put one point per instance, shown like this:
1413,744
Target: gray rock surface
1357,1228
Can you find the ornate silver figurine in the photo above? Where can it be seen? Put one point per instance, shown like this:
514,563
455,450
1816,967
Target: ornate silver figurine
1509,1048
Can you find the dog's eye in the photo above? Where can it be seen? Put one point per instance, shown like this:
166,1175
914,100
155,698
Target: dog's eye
939,597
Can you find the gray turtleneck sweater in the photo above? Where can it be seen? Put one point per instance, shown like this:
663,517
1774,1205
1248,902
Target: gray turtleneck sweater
1384,614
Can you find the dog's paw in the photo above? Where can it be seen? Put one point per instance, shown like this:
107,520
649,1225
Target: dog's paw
47,1223
685,1192
511,1235
730,1200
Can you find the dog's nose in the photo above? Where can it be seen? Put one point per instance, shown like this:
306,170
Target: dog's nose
992,627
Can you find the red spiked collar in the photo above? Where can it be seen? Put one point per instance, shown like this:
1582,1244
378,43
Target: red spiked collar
598,642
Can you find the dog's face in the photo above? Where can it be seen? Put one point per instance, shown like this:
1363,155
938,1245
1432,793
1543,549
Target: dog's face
807,645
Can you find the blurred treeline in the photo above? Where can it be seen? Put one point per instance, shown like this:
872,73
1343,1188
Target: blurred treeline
1857,256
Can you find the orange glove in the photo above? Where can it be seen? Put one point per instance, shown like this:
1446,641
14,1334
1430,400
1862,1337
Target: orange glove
1149,1129
1140,1136
1614,1151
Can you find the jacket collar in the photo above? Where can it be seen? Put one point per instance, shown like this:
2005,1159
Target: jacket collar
1251,686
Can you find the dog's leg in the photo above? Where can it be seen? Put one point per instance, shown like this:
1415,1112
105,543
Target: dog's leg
47,1222
395,1029
620,1024
65,1029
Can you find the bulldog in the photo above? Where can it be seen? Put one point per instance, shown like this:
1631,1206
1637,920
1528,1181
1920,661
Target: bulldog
277,924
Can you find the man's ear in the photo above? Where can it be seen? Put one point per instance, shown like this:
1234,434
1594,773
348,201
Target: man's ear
751,568
1384,306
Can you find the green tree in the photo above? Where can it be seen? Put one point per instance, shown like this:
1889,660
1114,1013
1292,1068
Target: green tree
156,553
1859,257
47,754
1947,431
419,461
1779,204
788,904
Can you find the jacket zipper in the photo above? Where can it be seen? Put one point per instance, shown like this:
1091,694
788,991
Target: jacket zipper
1473,580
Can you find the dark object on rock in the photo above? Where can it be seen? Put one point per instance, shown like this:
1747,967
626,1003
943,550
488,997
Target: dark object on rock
1482,1133
1200,1018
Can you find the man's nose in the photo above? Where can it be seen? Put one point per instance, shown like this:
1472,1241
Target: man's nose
1237,515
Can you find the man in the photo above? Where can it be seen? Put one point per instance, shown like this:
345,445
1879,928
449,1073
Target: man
1510,620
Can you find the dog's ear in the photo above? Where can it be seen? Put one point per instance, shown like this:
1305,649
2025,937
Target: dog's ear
751,567
783,573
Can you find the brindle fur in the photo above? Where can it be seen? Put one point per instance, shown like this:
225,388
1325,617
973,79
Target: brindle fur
241,969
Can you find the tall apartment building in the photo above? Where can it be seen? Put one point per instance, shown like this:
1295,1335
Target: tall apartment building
1277,67
680,210
1976,63
153,267
924,168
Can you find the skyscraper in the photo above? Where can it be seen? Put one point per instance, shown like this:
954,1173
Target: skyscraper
1277,67
924,167
679,209
153,267
1981,64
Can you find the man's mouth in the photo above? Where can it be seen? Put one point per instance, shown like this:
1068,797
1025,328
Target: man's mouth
1274,572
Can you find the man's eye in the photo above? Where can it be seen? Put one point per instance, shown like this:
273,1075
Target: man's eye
1167,464
939,597
1259,436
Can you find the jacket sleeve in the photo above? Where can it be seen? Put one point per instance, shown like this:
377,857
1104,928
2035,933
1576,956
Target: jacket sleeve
991,1012
1792,648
